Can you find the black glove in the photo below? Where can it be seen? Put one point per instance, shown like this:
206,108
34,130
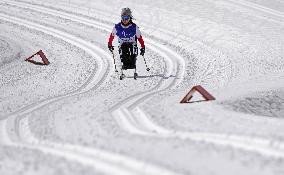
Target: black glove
142,51
111,48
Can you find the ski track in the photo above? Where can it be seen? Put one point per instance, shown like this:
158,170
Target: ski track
141,168
135,121
132,124
76,17
96,78
95,24
80,18
100,160
258,7
132,119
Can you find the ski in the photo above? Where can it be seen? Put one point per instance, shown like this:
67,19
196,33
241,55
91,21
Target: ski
135,76
122,76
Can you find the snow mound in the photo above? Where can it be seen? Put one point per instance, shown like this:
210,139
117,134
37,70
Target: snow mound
266,103
9,50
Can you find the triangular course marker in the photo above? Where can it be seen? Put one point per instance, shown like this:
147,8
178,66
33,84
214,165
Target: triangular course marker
206,95
42,56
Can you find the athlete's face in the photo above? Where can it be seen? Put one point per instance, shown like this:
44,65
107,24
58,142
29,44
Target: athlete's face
125,19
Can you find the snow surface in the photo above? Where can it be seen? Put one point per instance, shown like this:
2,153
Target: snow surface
75,116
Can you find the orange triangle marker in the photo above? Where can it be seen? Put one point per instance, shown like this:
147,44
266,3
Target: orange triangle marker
43,58
206,95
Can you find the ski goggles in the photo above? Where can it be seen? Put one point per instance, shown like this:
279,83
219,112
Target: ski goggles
125,18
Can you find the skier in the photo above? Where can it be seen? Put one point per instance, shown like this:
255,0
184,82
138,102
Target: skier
128,33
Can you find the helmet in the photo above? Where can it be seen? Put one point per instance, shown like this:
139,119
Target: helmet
126,12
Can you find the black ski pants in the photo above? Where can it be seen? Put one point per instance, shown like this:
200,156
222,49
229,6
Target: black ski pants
128,53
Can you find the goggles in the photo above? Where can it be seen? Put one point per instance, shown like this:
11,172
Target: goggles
125,18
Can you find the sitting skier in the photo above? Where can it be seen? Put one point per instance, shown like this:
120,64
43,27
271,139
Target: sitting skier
128,33
128,53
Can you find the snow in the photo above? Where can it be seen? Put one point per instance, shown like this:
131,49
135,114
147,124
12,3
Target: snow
75,116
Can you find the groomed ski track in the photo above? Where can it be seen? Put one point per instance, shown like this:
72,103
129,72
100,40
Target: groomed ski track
135,121
260,8
71,152
127,112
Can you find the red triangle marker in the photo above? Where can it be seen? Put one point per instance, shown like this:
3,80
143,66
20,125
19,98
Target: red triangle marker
205,94
42,56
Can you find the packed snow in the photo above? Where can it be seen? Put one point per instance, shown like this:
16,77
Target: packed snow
76,117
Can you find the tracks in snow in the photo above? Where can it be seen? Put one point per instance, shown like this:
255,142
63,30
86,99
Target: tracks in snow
97,77
123,111
259,8
175,63
132,118
100,160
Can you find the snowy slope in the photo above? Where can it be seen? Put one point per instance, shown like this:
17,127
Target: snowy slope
75,116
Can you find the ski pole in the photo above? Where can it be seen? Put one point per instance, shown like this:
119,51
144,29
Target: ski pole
148,69
114,62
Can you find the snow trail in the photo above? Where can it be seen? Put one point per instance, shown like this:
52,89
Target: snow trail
128,114
97,77
71,152
102,161
259,8
133,124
